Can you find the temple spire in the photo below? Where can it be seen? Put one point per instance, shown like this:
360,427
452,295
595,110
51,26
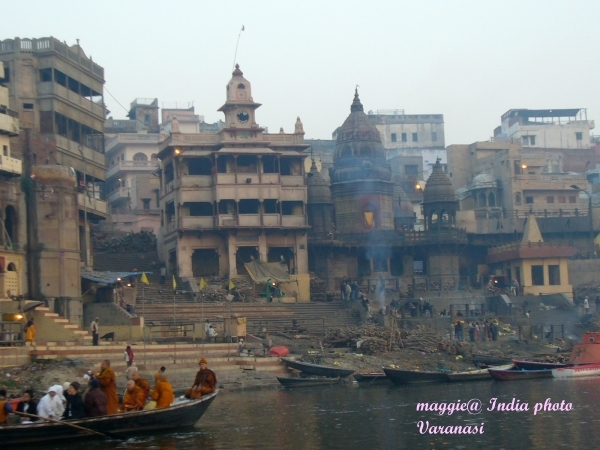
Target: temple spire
356,104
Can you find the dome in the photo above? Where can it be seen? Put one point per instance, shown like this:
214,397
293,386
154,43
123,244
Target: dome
438,187
484,180
317,188
402,205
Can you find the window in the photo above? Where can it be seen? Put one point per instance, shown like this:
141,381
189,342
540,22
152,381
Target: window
270,206
434,136
146,202
537,275
34,158
550,199
404,137
562,199
572,199
60,78
28,106
6,78
518,168
291,208
411,169
531,140
518,198
579,135
380,263
199,166
46,74
198,209
5,150
140,157
415,137
393,137
554,275
529,200
248,206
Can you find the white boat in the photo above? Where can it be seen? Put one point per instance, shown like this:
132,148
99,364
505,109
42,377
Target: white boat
583,370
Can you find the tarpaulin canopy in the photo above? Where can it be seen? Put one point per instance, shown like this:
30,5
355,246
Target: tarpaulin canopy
262,272
107,277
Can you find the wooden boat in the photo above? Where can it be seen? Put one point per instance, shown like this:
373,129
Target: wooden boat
318,370
178,416
519,374
305,382
533,365
490,360
475,375
367,379
583,370
399,376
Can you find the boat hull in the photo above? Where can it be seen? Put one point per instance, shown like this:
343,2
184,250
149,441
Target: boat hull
306,382
315,369
475,375
371,378
585,370
179,416
398,376
532,365
516,374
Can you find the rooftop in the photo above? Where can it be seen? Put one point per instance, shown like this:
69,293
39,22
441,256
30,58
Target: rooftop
541,113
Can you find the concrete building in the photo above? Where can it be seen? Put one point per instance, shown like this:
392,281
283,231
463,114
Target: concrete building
12,204
57,90
230,197
546,128
143,117
188,120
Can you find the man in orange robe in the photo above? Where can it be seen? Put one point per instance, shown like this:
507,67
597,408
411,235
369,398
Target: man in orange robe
134,399
205,382
141,383
163,393
108,385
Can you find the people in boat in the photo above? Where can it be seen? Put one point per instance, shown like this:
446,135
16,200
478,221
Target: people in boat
74,407
163,393
129,356
158,374
108,385
5,408
134,399
27,405
142,383
30,331
205,382
51,405
94,404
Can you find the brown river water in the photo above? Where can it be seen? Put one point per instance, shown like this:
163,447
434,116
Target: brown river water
386,417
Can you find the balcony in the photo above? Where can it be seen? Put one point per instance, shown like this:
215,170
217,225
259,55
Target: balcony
10,166
271,220
249,220
227,220
94,206
50,88
225,178
120,193
132,166
9,123
292,180
293,221
196,223
196,181
270,178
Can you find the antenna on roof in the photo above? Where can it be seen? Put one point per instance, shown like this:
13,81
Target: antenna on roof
236,47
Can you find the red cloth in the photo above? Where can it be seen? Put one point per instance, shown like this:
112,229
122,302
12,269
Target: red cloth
280,350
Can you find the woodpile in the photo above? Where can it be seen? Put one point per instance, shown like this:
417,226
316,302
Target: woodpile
318,290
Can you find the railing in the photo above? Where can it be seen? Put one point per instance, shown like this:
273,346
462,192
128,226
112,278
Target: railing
10,165
94,205
293,221
195,222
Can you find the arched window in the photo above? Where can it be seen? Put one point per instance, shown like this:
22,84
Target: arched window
482,200
241,86
518,198
492,199
370,216
10,223
140,157
11,267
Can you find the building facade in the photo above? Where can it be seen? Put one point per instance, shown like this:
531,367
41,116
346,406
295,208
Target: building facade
230,197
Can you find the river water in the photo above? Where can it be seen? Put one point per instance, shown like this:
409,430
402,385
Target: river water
386,417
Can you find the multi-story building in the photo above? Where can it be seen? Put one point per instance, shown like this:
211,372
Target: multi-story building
546,128
143,117
12,203
230,197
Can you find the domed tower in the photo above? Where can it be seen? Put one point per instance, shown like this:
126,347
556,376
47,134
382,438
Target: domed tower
439,201
320,216
404,214
361,187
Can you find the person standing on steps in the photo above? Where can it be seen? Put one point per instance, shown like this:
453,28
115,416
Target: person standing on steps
95,331
163,274
129,356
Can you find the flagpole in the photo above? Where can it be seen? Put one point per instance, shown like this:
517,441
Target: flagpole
236,46
144,316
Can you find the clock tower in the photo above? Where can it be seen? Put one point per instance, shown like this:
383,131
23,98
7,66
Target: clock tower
240,109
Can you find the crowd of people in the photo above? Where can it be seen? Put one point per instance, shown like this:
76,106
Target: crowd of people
478,331
100,398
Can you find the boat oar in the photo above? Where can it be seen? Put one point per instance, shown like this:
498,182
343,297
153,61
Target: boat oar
105,434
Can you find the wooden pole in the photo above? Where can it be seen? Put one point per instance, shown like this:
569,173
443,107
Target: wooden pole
87,430
144,316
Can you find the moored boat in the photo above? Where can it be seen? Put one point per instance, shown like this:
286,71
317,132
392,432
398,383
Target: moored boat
318,370
399,376
305,382
178,416
583,370
533,365
475,375
519,374
368,378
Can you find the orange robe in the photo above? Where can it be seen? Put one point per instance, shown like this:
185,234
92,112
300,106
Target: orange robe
144,386
163,394
108,385
204,384
30,333
134,400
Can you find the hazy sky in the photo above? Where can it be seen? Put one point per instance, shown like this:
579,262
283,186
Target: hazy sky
468,60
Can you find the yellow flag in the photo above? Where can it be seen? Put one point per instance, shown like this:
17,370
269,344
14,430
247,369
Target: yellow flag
144,278
231,285
174,283
202,283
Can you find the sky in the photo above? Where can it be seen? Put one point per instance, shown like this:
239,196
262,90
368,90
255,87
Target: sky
468,60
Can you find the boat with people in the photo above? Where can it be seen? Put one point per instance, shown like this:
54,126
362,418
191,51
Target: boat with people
180,415
318,370
401,376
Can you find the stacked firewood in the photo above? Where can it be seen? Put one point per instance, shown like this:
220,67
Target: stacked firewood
422,339
318,290
243,291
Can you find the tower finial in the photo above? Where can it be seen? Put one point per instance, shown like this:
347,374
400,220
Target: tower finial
356,104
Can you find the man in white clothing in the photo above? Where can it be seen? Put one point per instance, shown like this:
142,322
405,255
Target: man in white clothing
51,405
